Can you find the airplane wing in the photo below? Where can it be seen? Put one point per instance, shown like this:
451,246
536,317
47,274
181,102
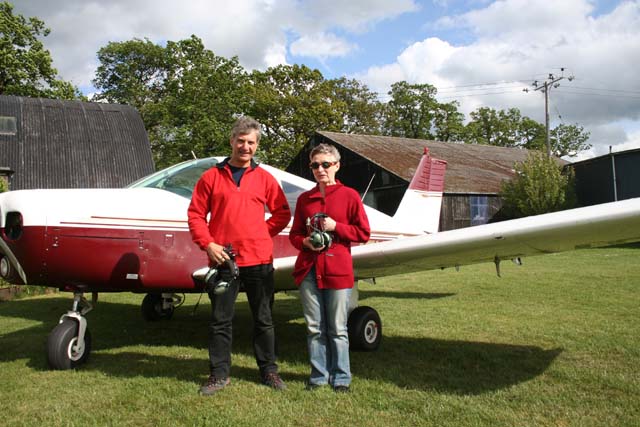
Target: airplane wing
594,226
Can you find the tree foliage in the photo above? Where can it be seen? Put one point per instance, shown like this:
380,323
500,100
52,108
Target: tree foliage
411,111
292,102
502,128
187,96
540,186
568,140
26,67
414,112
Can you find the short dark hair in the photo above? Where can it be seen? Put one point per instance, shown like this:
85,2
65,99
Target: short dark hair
245,125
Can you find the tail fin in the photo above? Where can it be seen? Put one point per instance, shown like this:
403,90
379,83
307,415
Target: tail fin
422,201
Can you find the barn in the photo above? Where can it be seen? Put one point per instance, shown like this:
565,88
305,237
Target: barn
383,166
608,178
47,143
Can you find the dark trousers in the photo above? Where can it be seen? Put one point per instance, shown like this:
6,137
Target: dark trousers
257,281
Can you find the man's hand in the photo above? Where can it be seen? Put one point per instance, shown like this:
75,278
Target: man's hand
217,253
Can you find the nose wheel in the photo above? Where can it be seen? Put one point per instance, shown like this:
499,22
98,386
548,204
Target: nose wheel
69,343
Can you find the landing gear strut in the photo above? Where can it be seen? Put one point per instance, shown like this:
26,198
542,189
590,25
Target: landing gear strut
69,343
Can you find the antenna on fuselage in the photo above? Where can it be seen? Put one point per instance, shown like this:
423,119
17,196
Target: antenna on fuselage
194,155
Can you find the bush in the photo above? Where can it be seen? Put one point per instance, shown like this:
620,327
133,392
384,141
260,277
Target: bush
540,187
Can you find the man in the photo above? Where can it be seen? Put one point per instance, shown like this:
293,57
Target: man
234,193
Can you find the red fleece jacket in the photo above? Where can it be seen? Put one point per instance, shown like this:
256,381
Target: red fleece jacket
334,267
238,212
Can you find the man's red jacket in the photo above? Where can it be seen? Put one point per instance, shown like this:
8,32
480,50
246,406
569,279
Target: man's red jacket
238,212
334,267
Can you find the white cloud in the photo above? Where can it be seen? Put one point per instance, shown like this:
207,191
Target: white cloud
519,41
321,45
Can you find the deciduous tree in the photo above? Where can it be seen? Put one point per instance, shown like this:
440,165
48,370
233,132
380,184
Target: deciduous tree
188,96
540,186
26,67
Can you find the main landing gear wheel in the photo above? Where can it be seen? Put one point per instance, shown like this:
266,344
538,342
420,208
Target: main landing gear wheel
156,307
63,349
365,329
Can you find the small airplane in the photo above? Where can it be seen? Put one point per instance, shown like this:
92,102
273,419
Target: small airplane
136,239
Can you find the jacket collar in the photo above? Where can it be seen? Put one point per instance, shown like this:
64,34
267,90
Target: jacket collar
225,162
315,192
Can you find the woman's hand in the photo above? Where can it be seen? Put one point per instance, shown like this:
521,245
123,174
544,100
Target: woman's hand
329,224
307,244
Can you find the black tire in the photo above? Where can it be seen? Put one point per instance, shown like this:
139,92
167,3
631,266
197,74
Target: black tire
61,351
365,329
152,308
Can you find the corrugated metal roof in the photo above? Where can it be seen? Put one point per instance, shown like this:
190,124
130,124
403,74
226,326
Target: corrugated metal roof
471,168
73,144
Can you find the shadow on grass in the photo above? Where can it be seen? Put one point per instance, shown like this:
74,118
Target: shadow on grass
402,295
457,367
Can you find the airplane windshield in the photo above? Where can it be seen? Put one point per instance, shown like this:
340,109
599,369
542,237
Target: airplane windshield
292,192
178,179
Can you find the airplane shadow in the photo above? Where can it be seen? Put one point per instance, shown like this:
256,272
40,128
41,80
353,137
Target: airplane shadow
448,366
364,294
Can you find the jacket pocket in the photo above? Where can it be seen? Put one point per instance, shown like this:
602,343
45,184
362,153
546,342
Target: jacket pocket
338,261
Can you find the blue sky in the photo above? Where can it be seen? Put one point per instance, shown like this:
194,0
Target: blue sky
480,53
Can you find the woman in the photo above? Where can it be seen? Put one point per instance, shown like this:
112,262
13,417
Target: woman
328,218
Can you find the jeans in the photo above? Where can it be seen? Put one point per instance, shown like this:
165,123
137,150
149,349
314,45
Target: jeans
258,284
326,314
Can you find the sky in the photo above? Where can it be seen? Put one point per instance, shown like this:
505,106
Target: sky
480,53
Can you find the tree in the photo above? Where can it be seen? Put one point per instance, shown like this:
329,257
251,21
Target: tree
568,140
292,102
448,122
540,186
25,65
491,127
359,107
131,72
187,96
411,111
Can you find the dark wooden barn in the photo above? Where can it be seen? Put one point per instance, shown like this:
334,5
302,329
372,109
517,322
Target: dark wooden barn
46,143
608,178
383,167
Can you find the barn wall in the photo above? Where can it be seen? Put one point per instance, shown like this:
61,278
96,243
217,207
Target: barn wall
73,144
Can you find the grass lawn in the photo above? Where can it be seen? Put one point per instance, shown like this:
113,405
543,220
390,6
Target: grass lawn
551,343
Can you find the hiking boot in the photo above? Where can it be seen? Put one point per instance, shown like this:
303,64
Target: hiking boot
273,380
214,385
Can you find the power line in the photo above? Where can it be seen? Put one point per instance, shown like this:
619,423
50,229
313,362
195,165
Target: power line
551,82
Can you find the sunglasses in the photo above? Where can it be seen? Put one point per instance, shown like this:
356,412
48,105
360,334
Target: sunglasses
325,165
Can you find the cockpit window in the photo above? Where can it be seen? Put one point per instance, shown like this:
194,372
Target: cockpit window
179,179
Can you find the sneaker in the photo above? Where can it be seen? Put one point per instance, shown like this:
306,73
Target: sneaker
341,388
214,385
273,380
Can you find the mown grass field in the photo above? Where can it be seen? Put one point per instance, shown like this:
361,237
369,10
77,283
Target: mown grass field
551,343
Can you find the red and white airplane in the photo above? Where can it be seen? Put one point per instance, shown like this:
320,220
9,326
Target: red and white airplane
136,239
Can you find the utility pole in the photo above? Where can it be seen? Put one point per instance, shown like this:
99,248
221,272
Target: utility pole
552,81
